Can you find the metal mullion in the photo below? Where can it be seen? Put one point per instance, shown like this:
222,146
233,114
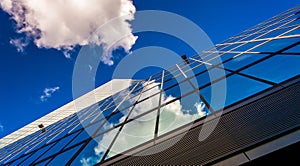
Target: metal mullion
257,26
100,113
119,104
146,91
112,103
14,148
120,129
91,114
251,64
198,93
267,41
159,106
188,67
275,53
95,132
247,66
36,138
289,26
144,99
56,154
143,87
37,141
279,52
36,159
57,133
262,39
63,149
11,156
245,75
74,127
172,86
88,111
268,31
56,142
25,158
290,53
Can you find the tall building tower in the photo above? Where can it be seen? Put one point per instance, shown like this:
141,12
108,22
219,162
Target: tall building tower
173,118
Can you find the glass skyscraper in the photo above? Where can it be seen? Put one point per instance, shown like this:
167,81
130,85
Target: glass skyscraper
261,69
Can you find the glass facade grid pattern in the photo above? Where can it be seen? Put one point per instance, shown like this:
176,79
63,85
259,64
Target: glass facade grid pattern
260,58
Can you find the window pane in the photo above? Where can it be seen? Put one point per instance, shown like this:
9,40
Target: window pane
196,68
294,32
238,88
177,90
64,157
19,160
274,33
275,45
229,47
81,137
148,100
208,77
56,148
247,46
134,133
43,163
115,120
170,83
181,112
35,155
95,149
276,69
144,106
295,49
242,61
221,59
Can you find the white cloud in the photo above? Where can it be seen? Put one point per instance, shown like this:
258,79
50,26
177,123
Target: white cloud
48,93
19,43
141,130
64,24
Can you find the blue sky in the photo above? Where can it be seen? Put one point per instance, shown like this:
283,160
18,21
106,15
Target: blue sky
27,76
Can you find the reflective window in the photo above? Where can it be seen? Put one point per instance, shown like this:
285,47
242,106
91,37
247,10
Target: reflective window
295,49
134,133
242,60
36,155
196,68
276,69
181,112
237,88
177,90
95,149
274,33
115,119
144,106
44,162
294,32
170,83
229,47
83,135
58,146
247,46
63,158
275,45
208,77
222,58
